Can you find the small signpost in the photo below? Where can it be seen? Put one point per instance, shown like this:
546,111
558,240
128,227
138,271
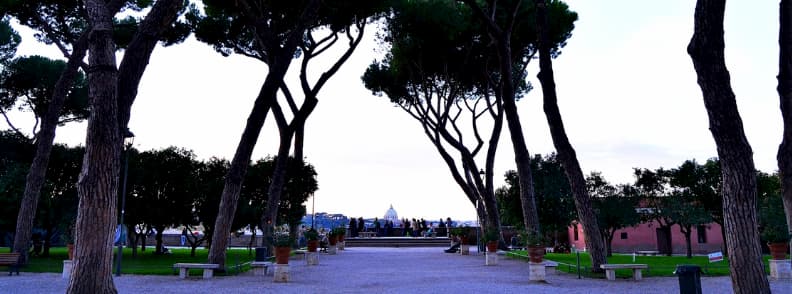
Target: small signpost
715,256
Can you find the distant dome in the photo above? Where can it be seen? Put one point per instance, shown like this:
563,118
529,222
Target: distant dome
392,216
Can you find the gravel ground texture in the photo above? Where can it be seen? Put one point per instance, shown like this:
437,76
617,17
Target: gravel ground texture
383,270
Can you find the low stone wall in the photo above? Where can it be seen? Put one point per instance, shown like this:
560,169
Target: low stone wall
174,240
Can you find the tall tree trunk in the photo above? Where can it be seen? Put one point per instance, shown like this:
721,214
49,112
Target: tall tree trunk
270,217
44,140
138,54
236,173
785,94
502,38
278,65
521,156
566,153
736,157
159,249
132,66
97,186
689,246
609,244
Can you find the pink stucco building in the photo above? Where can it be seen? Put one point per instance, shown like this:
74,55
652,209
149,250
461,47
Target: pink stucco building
649,237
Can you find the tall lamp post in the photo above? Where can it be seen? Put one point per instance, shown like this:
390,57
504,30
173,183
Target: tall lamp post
479,208
129,139
313,211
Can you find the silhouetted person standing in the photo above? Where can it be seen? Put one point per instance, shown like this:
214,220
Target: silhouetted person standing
353,227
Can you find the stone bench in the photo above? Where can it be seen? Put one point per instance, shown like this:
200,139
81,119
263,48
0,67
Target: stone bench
260,268
648,252
299,253
610,270
367,234
208,269
550,265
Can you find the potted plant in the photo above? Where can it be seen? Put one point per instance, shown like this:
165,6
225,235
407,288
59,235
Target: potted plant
777,238
341,233
68,237
282,242
333,237
313,239
534,242
491,237
462,234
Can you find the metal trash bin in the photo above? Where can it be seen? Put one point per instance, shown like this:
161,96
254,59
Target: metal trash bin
261,254
689,278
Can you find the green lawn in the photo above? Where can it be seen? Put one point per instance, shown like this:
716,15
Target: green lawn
145,263
659,266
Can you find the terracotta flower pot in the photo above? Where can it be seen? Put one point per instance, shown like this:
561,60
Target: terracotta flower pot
312,245
341,238
536,253
70,249
463,240
333,240
492,246
282,254
778,251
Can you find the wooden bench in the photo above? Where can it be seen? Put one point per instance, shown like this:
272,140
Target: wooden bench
208,269
610,270
260,268
11,260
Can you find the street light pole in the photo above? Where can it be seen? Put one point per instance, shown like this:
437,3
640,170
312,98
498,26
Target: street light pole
129,138
313,211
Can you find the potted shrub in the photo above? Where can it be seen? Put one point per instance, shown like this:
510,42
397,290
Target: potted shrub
333,237
491,237
68,237
282,242
313,239
462,234
777,238
341,233
534,243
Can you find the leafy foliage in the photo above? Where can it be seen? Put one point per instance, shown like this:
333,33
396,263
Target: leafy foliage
772,219
553,196
27,84
9,41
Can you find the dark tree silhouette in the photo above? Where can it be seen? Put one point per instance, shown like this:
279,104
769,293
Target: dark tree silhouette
566,153
784,156
736,157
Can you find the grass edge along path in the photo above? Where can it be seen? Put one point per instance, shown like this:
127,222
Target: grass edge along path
146,262
659,266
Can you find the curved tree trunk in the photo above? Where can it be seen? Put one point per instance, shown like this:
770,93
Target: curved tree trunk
521,156
278,65
239,165
784,156
736,157
98,182
44,140
689,247
138,54
133,65
566,153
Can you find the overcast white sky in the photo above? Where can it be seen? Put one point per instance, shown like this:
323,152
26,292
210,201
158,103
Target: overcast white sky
626,86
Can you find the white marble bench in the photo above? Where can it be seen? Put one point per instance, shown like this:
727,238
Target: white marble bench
367,234
208,269
610,270
260,268
648,252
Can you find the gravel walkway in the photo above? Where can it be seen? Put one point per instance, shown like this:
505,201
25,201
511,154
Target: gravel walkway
383,270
